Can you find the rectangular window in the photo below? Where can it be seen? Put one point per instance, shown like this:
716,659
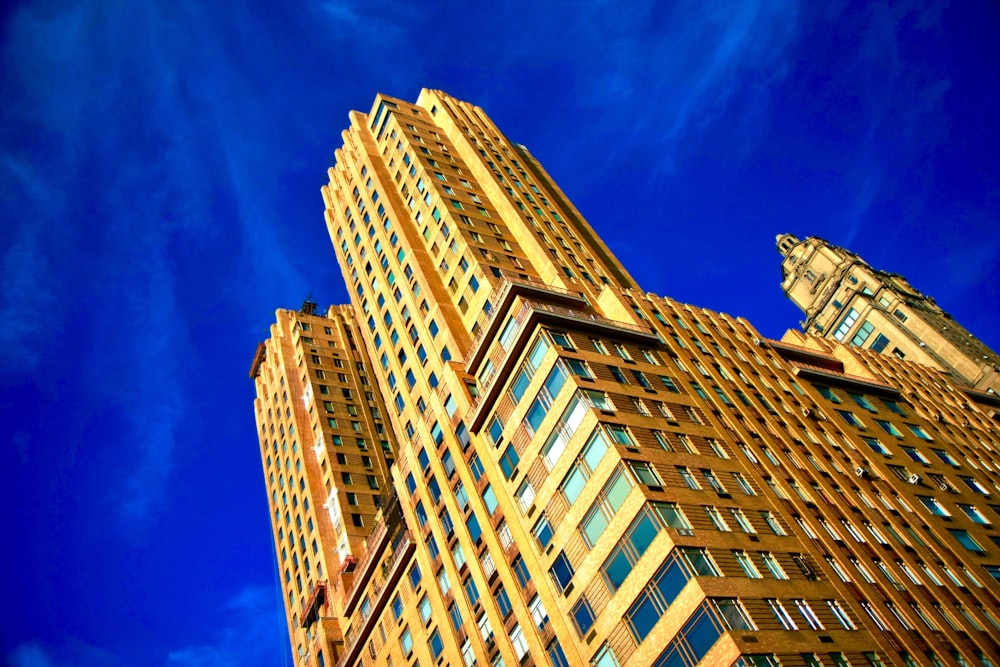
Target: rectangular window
876,446
850,418
828,394
509,461
521,571
671,516
841,615
966,540
889,428
845,325
747,565
773,566
583,615
634,543
864,331
717,520
781,614
562,572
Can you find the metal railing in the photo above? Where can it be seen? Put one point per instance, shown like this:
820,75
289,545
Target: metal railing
400,547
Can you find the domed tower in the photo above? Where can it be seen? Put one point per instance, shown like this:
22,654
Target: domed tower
848,301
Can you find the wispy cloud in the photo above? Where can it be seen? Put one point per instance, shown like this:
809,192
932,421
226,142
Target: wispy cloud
255,612
112,101
71,653
676,69
27,285
29,655
897,105
24,292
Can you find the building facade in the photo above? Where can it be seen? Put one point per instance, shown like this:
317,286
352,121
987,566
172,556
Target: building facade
587,474
846,300
327,448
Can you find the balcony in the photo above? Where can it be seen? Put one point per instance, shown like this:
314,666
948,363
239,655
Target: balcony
525,317
403,549
804,356
375,545
855,382
502,297
316,601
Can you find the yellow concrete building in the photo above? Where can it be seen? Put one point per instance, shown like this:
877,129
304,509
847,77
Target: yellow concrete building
846,300
588,474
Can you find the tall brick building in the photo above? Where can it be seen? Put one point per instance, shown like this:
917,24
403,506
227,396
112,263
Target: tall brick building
543,464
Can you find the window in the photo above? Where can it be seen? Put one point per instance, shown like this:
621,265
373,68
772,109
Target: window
783,617
841,615
644,613
946,457
669,384
538,613
620,435
608,502
713,481
864,331
579,368
742,521
436,645
828,394
966,540
850,418
879,623
598,400
772,523
717,520
889,428
845,325
747,565
543,532
933,506
562,572
578,474
689,479
521,571
605,657
562,340
862,402
974,485
509,461
773,566
406,641
809,615
518,641
744,485
583,615
556,654
671,516
876,446
974,514
633,545
919,432
644,473
698,562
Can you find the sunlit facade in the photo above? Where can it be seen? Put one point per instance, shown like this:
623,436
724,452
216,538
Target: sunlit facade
588,474
846,300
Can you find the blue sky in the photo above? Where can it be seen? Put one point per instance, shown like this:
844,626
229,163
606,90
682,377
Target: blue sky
160,166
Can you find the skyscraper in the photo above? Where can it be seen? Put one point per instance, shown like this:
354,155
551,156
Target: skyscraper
846,300
315,392
585,473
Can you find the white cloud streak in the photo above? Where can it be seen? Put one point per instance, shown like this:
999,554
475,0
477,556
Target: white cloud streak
256,612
